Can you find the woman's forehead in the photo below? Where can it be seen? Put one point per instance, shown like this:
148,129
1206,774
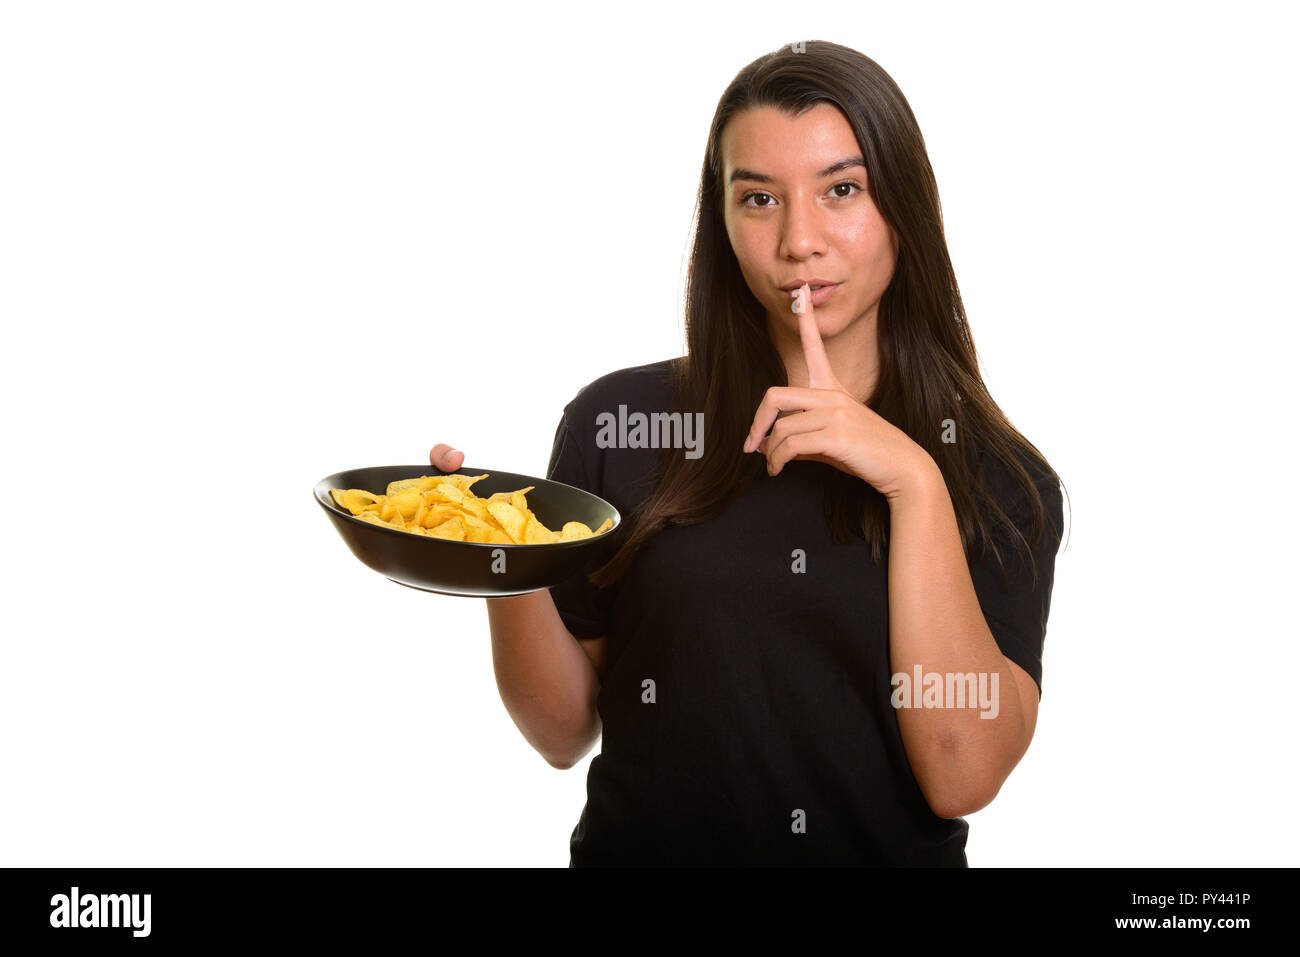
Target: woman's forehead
773,144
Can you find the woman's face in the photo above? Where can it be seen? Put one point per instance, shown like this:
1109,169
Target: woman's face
794,210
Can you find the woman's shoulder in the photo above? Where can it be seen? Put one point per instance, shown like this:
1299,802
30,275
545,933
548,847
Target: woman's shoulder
607,419
1002,482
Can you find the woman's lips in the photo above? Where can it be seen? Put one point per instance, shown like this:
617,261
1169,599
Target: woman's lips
819,296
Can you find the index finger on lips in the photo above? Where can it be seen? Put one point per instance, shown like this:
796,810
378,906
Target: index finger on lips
820,375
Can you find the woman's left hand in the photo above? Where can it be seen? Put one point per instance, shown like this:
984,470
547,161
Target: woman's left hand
829,425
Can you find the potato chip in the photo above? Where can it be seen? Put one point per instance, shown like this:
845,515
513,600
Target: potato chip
444,506
444,494
437,514
572,530
355,500
510,519
476,507
453,528
462,482
477,530
535,533
407,502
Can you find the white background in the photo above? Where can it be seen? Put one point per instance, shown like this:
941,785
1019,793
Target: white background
234,236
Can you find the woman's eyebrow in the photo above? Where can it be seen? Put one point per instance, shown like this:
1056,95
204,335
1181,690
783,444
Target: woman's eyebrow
848,162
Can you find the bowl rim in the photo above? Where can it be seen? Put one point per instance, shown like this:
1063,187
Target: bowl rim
326,501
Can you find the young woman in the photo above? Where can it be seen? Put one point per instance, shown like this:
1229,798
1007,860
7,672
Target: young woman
817,638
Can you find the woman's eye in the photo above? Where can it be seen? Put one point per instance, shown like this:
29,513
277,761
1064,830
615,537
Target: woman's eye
745,200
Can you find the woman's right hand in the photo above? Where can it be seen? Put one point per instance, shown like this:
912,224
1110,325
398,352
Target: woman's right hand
446,459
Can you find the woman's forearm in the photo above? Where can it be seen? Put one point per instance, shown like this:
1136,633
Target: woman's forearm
546,680
958,757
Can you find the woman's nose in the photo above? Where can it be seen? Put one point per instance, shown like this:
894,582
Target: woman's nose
802,231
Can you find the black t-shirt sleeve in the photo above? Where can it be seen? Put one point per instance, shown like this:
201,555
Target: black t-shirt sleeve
584,608
1015,605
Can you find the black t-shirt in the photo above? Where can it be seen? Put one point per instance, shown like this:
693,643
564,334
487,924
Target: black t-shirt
771,689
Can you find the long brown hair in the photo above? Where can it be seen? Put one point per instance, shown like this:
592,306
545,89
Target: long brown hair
928,366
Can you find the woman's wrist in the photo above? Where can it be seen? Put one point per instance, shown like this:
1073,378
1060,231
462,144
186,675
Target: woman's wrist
920,480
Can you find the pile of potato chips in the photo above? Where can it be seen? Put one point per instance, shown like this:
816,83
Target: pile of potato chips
444,506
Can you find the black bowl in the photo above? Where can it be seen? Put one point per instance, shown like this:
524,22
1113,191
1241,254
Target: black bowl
473,568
